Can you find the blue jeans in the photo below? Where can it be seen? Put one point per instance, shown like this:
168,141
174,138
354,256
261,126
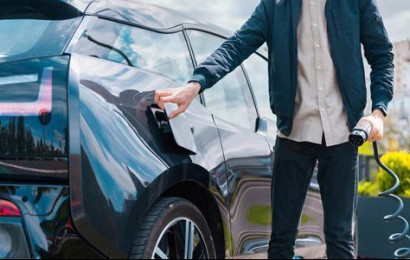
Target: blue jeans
293,168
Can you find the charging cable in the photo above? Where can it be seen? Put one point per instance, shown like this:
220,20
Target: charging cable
358,137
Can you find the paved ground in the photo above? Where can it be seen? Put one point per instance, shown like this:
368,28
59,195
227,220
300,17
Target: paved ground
309,253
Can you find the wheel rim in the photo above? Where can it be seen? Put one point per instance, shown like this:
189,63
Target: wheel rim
181,239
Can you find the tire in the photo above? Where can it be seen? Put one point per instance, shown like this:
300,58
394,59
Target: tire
162,230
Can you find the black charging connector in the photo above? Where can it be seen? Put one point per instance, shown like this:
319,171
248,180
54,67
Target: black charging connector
361,133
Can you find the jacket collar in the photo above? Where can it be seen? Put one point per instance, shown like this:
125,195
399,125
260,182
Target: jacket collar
297,6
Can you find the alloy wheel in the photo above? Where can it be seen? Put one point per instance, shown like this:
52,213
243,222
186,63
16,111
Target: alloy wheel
181,239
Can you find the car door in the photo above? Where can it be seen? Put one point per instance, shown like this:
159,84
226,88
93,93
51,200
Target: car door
246,150
311,225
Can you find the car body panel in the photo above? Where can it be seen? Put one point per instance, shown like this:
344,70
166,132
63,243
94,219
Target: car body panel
119,164
46,218
249,169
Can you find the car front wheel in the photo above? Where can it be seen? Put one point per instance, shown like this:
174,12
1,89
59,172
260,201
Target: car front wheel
174,228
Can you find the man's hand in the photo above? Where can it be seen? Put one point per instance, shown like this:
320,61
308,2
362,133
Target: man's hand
377,121
183,97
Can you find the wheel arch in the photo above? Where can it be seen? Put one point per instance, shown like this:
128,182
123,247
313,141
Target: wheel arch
187,181
209,208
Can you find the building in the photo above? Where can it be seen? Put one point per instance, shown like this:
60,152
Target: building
398,123
400,107
402,65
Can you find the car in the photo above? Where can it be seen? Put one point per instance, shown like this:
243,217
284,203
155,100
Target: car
90,167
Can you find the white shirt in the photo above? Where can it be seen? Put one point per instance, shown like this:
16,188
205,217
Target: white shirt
319,108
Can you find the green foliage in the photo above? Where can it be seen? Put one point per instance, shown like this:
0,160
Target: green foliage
399,162
366,149
368,189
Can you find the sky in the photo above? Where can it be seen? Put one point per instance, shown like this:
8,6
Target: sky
231,14
396,14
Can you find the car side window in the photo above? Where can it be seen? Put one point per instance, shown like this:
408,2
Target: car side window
230,99
165,54
257,70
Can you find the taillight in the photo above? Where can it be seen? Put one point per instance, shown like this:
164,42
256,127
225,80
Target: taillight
42,105
8,209
13,243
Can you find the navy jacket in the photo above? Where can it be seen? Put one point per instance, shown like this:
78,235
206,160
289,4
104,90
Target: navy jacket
350,24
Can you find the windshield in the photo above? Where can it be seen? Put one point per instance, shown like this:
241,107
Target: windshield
29,30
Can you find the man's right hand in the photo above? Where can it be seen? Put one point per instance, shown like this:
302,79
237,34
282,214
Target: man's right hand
183,97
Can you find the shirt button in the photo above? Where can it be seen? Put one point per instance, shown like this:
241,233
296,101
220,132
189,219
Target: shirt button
317,45
314,24
312,3
319,67
321,89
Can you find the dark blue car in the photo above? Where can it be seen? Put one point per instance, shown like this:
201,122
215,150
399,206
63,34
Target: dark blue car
91,168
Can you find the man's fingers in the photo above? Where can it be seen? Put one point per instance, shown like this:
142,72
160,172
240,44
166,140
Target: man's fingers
181,109
161,93
181,96
161,105
377,123
379,136
375,135
168,99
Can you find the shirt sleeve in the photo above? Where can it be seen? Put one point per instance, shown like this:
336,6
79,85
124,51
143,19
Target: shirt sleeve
234,50
379,53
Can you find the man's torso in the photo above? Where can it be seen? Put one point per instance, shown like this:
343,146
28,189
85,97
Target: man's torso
319,106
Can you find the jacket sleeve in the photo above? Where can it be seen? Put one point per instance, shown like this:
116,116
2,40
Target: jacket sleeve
378,52
234,50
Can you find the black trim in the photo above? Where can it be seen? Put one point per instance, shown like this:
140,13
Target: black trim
48,9
181,27
193,59
174,29
220,33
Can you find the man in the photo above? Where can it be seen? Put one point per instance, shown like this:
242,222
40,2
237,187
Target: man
317,90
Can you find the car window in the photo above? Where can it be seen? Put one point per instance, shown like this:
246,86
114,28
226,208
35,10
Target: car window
30,30
257,70
230,99
165,54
